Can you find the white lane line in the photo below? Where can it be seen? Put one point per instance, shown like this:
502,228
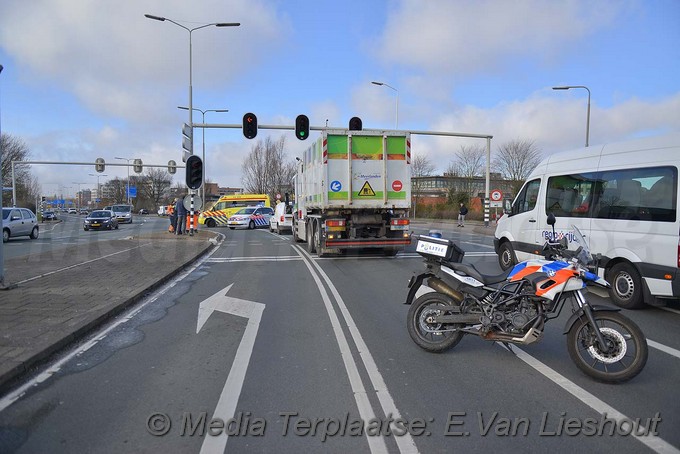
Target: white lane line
79,264
653,442
375,444
226,405
664,348
404,443
283,258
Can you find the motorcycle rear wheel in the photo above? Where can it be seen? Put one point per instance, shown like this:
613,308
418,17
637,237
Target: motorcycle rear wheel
626,356
425,334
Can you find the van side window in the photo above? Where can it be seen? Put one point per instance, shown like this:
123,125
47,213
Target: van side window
570,195
648,194
526,200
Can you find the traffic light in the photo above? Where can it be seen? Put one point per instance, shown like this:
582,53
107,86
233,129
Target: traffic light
187,141
172,167
137,166
194,168
99,165
355,124
302,127
250,125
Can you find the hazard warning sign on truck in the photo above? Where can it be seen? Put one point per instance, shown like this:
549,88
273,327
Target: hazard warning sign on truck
366,190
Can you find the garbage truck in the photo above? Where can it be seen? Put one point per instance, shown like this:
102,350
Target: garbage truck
353,190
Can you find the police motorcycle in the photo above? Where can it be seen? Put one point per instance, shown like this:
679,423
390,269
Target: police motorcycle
451,299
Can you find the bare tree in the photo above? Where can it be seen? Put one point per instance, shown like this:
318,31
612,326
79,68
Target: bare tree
14,149
469,163
116,190
267,170
156,185
516,160
421,166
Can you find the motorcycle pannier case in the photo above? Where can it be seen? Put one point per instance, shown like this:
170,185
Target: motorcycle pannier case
439,248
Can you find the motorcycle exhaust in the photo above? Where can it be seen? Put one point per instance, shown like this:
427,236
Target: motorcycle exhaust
534,334
441,287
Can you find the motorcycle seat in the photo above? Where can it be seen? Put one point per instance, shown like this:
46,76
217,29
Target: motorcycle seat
485,279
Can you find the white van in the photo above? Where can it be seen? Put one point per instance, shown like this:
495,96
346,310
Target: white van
623,197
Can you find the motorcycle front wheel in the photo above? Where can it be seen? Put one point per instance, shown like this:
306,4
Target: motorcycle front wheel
626,350
433,337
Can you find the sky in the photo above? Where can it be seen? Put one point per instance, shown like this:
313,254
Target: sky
88,79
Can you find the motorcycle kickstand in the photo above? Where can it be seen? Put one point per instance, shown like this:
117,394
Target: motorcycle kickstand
508,347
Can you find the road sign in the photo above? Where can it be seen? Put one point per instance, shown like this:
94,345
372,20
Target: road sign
397,185
336,186
198,202
496,195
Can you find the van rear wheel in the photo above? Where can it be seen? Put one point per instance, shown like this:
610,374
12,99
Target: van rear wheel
626,290
211,223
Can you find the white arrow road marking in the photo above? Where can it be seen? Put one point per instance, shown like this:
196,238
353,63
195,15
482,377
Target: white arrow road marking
226,406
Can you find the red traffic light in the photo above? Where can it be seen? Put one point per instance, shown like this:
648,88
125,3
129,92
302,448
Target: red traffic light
249,125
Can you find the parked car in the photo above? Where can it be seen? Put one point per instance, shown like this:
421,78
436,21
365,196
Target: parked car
251,217
19,222
282,219
49,215
100,219
143,211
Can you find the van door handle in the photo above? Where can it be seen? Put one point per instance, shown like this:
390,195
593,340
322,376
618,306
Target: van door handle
532,220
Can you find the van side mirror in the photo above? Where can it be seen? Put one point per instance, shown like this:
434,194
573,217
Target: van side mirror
551,219
507,206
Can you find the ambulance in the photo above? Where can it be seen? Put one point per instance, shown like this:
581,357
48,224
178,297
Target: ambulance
218,214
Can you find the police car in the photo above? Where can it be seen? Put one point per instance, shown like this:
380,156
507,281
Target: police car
251,218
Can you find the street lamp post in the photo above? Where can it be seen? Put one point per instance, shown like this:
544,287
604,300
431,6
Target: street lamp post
99,193
396,126
204,166
128,177
567,87
190,30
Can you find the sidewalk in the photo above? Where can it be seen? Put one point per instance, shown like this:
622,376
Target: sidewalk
63,294
472,226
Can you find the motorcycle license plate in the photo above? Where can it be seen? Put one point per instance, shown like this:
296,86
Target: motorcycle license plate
430,248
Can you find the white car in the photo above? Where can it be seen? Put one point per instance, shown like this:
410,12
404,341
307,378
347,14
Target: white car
72,211
251,217
282,219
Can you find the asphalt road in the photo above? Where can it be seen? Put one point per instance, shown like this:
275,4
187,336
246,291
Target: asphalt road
68,232
301,354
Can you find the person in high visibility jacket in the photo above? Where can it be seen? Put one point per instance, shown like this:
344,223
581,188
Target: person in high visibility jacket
173,218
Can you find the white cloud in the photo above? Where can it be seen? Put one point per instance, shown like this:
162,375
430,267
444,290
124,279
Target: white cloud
465,37
554,124
119,63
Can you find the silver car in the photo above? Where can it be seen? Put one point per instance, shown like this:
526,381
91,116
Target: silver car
19,222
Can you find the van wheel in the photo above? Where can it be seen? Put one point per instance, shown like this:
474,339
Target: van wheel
626,290
506,256
309,231
211,223
34,233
